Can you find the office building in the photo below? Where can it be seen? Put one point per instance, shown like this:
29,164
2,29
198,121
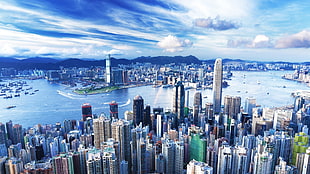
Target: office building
86,111
179,101
197,107
217,86
232,106
108,69
138,108
113,110
250,103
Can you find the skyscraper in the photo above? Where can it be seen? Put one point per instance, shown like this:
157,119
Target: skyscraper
102,130
197,106
179,101
232,106
217,86
138,109
108,69
114,110
86,111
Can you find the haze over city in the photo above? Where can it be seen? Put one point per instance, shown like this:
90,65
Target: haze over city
253,30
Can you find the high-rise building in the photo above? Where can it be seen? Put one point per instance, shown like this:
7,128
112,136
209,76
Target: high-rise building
217,86
3,137
114,110
168,150
262,163
102,130
147,116
225,159
197,147
117,77
197,167
232,106
179,101
9,129
197,106
86,111
121,134
250,103
108,69
18,136
138,108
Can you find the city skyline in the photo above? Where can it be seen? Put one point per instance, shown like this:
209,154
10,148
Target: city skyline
264,30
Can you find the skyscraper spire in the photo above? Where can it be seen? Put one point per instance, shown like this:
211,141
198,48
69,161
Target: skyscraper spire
217,86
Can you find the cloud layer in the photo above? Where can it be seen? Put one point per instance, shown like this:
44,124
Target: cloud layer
216,23
174,44
206,29
298,40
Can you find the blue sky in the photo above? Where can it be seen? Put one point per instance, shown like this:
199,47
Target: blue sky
239,29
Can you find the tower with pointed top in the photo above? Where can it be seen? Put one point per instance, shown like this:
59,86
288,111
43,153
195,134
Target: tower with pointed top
217,86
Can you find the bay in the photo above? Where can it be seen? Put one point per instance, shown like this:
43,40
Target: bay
55,103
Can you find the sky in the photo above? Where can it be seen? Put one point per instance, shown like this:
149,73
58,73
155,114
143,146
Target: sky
274,30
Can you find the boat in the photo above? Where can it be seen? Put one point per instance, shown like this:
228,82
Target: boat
10,107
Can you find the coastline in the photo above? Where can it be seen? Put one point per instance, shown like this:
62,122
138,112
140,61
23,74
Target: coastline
105,89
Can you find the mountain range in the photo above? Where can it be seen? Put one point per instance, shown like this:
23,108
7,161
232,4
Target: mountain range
52,64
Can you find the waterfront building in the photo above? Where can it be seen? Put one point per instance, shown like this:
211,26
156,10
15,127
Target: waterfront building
9,129
117,77
138,108
250,103
18,136
113,110
198,167
108,69
232,106
217,86
179,101
86,111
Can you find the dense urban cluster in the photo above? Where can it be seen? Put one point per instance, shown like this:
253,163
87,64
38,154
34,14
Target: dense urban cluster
217,138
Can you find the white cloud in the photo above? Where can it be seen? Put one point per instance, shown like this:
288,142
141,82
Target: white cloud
7,50
174,44
260,41
114,52
298,40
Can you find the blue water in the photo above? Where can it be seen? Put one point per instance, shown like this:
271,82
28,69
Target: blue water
54,103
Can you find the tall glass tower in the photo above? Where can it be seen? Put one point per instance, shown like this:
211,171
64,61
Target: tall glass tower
138,108
108,69
179,101
217,86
